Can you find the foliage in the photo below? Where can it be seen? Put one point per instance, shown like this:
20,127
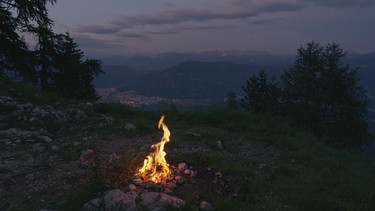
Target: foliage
17,17
318,93
56,64
74,77
231,101
322,95
261,95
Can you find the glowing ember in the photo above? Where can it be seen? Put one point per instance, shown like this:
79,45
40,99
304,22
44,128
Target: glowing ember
155,167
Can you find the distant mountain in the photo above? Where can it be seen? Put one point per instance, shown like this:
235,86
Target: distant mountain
165,60
195,80
116,76
211,75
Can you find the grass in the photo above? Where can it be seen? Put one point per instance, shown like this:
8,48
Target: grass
308,175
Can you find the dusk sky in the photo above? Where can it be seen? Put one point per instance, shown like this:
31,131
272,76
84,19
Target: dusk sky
126,27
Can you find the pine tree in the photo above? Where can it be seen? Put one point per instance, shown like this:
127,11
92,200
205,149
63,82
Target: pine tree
261,95
16,19
74,77
321,94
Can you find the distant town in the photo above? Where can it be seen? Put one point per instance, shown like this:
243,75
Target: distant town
132,99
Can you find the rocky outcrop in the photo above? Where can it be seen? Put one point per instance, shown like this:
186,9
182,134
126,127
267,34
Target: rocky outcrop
28,123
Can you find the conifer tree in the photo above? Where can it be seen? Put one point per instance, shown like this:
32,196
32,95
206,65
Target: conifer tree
16,18
322,94
74,77
261,94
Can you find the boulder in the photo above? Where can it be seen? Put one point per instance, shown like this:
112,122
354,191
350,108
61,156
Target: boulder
155,201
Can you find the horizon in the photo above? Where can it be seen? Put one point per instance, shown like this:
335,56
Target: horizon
126,28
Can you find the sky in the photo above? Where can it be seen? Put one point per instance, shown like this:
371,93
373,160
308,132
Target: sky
129,27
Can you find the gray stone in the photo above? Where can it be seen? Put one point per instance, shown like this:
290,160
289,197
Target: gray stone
205,206
118,200
182,167
179,180
154,200
45,138
130,126
137,181
113,200
55,148
219,145
5,133
132,187
93,205
30,141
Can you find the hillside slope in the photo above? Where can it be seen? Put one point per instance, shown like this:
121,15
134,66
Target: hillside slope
60,154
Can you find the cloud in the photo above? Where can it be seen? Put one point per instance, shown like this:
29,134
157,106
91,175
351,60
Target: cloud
265,20
238,9
88,41
342,3
98,29
234,9
140,36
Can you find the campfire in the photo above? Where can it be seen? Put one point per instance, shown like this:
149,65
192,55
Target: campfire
155,168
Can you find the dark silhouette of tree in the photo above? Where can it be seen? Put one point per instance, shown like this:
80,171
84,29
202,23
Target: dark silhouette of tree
18,17
73,77
231,101
262,95
301,86
46,54
322,95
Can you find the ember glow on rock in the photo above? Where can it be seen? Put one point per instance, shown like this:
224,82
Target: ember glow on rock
155,167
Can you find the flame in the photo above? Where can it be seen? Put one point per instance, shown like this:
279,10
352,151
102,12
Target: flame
155,167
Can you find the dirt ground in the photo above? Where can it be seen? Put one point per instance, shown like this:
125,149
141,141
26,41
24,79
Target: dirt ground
43,176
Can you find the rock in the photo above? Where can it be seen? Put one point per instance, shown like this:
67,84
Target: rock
137,181
132,187
87,107
154,200
150,184
118,200
187,171
78,115
55,148
219,145
193,174
5,133
182,167
30,141
45,138
112,200
179,180
106,120
76,143
205,205
130,126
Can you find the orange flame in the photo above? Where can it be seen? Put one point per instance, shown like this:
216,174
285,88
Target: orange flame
155,167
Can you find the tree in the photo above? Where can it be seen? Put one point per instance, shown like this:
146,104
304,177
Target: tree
46,54
261,95
73,77
231,102
321,94
18,17
301,88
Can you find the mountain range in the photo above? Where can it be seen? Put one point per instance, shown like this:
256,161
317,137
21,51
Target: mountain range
209,75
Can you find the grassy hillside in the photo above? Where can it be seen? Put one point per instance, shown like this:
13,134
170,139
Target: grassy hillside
266,165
